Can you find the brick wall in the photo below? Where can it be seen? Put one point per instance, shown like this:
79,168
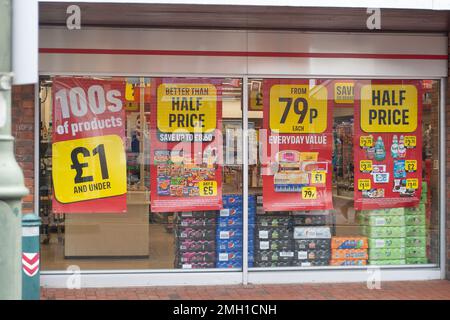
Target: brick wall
23,132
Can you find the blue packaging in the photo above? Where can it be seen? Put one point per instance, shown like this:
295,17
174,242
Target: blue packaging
224,222
230,256
229,233
229,244
231,212
229,265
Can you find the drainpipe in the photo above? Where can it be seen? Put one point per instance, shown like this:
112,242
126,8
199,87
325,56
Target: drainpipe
12,187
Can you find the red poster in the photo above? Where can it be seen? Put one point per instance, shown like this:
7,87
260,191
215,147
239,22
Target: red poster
88,154
186,145
387,144
296,155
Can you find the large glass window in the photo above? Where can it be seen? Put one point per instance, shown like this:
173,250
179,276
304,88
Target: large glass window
181,207
147,173
346,172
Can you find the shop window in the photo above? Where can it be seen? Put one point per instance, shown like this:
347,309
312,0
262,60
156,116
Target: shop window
141,173
346,172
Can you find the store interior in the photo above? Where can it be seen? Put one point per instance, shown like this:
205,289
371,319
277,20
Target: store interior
141,239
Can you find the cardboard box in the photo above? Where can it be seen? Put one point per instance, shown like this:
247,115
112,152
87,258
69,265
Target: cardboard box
280,245
387,254
311,263
422,260
349,254
362,262
416,252
349,243
311,255
310,220
312,233
387,262
312,244
416,241
384,243
416,220
416,231
385,232
385,221
416,210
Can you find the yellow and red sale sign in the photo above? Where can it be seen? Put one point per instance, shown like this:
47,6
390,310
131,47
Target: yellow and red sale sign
185,150
387,144
88,154
297,171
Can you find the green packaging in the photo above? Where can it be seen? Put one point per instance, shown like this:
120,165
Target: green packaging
416,231
415,210
387,254
416,241
387,262
423,198
416,260
416,252
424,187
364,230
386,232
386,221
377,243
415,220
384,212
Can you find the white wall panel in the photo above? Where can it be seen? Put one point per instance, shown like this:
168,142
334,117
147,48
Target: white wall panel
239,43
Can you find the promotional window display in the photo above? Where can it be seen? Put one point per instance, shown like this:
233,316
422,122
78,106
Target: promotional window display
88,154
298,151
388,145
186,150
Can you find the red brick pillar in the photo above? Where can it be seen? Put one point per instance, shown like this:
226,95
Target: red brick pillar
23,131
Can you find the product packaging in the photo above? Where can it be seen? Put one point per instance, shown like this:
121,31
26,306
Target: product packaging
274,233
361,262
387,254
349,243
274,256
224,222
384,212
416,260
386,221
416,231
387,262
196,222
311,244
229,234
416,252
416,241
280,245
380,243
193,246
312,233
272,264
420,210
196,265
229,264
229,256
312,254
348,254
415,220
310,263
229,244
310,220
195,233
385,232
273,221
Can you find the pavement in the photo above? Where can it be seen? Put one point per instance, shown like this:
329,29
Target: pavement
408,290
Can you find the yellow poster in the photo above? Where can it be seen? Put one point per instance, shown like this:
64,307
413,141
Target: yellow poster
388,108
186,108
298,108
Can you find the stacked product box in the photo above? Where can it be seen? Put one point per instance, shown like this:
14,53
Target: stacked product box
195,244
312,245
349,251
273,241
416,235
229,232
311,242
386,232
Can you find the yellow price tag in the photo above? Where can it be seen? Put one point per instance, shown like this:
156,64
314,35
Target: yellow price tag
309,193
318,177
411,165
207,188
364,184
410,141
412,183
365,165
389,108
365,141
298,108
89,168
344,92
186,107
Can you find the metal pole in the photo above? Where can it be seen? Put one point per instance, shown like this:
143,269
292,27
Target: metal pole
30,257
12,187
